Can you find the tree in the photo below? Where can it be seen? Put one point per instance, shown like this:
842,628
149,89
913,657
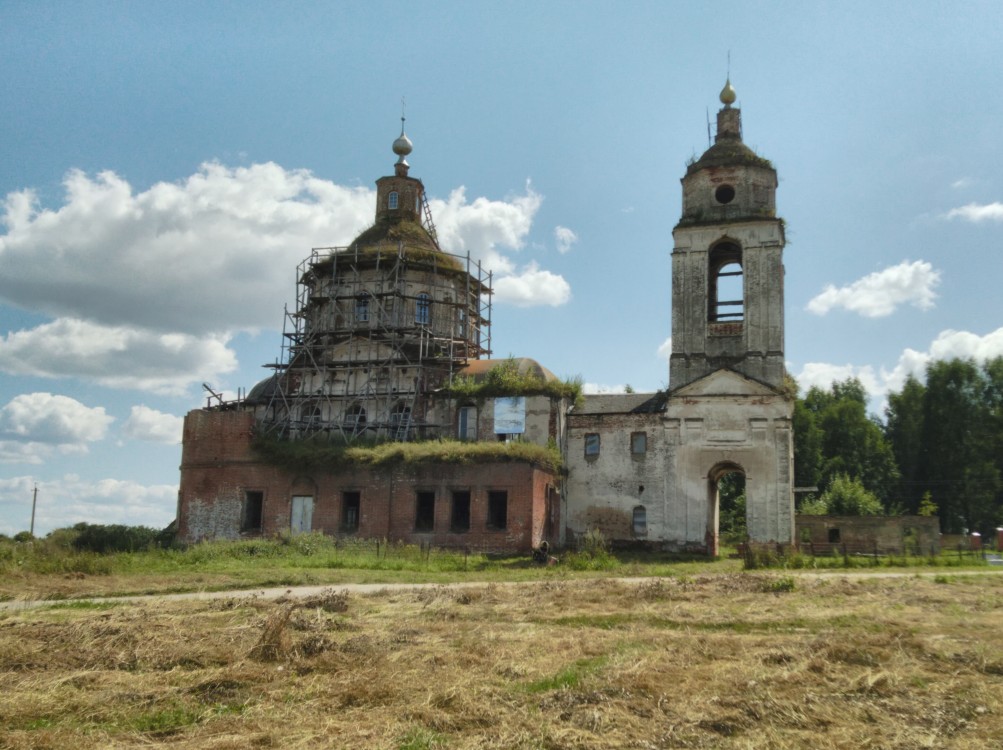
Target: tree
807,446
847,496
927,507
960,438
851,442
904,433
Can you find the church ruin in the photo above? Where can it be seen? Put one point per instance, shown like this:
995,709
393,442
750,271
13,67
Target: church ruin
390,343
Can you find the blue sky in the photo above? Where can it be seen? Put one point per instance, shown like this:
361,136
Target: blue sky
164,166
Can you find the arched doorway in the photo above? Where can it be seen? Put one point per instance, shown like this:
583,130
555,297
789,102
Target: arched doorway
725,503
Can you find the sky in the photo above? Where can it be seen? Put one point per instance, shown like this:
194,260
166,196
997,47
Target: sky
165,166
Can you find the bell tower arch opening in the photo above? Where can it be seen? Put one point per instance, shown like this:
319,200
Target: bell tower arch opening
726,297
725,502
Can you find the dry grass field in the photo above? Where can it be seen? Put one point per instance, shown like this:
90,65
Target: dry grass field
729,661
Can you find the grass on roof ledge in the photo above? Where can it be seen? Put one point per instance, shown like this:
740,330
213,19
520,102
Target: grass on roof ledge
318,453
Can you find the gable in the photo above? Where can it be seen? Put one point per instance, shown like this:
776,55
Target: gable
725,383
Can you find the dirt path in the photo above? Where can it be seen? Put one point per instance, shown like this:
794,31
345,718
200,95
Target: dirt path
301,592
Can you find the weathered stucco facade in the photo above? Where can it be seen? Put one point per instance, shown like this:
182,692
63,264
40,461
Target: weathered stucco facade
646,467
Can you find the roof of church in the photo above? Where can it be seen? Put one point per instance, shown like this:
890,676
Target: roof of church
477,369
623,403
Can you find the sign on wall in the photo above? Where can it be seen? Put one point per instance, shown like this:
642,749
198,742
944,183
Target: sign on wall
510,415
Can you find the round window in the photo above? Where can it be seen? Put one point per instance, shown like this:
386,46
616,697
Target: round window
724,194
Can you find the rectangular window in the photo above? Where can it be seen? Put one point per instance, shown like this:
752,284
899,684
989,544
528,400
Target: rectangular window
638,443
250,519
592,444
640,521
497,509
362,309
350,505
423,309
460,516
467,423
833,536
424,512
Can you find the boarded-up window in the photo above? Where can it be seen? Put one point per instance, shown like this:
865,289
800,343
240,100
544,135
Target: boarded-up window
424,512
301,518
497,509
250,518
459,519
638,443
350,506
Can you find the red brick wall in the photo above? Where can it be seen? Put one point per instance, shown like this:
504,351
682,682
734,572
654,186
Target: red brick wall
217,468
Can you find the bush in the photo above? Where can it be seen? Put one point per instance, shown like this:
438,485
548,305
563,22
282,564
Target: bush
592,553
847,496
117,538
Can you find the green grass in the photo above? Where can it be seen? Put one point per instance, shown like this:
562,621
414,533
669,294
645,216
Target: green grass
570,677
43,570
319,451
420,738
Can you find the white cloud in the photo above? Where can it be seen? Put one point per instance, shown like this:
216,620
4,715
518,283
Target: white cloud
962,183
484,226
823,375
154,426
665,349
34,425
64,502
117,357
183,257
977,212
879,294
948,345
601,389
533,286
564,238
147,288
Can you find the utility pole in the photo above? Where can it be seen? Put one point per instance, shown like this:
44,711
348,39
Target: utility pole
34,499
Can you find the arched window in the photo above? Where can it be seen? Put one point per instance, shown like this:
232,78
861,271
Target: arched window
726,300
392,200
400,421
423,309
354,421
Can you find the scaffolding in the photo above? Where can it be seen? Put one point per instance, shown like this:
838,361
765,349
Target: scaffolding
375,331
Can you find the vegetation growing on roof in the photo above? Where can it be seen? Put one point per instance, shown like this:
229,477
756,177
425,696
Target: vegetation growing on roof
505,379
317,452
418,244
728,153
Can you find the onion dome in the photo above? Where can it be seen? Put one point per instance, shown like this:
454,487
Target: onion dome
728,95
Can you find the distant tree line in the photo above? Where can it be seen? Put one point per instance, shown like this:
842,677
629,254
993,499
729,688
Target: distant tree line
938,451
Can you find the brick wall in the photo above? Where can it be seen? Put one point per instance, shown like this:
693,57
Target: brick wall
887,534
218,469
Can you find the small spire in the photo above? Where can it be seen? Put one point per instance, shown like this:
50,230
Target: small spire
728,95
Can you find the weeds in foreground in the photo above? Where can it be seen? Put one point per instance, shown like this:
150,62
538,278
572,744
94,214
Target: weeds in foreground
708,661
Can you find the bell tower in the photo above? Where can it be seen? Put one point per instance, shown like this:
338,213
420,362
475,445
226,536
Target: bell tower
727,263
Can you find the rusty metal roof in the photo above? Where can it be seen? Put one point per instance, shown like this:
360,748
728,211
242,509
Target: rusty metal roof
476,369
